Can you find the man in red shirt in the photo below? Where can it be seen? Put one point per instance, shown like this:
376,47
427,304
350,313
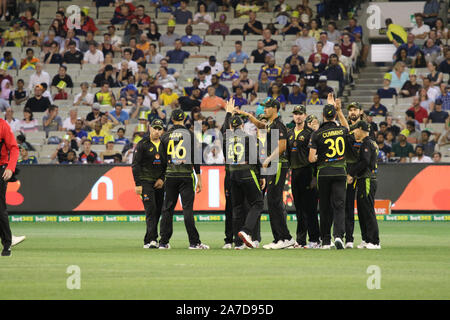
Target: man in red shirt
9,155
420,113
87,24
143,20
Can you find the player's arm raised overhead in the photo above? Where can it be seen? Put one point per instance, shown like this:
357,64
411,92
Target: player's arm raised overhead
256,122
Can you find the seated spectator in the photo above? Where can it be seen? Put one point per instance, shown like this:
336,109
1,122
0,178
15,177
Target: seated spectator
402,149
211,102
140,50
25,158
192,40
385,150
420,156
411,48
123,75
78,132
294,26
168,39
182,15
105,97
98,135
8,62
435,76
168,97
413,134
187,103
122,15
444,66
334,35
153,32
438,115
431,50
109,154
271,69
143,20
411,87
259,54
270,45
323,88
398,76
87,23
138,107
52,121
437,157
425,101
130,93
323,56
62,151
427,143
156,112
19,95
334,72
84,98
295,54
419,60
253,26
238,56
263,84
221,90
46,92
314,30
119,114
219,27
318,66
445,97
239,99
420,113
420,30
72,55
14,36
228,74
311,77
116,40
349,48
70,121
287,76
202,17
127,58
62,76
296,97
403,57
276,94
71,158
93,55
38,103
153,56
215,66
387,92
314,100
87,155
432,92
165,78
53,56
61,94
177,55
38,77
121,137
377,108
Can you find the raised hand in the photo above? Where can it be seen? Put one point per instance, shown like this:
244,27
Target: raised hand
330,99
230,105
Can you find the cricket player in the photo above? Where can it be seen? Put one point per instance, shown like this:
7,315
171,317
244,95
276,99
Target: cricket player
355,114
327,148
302,174
275,182
9,154
149,167
180,145
365,172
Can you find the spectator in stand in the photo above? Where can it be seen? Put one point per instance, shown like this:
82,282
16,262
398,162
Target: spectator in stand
398,76
420,113
306,43
215,66
164,78
127,57
396,33
219,27
153,32
272,70
87,23
323,88
239,98
105,96
444,66
211,102
87,155
296,97
311,77
328,46
192,40
295,54
30,61
188,103
334,72
349,48
62,151
84,98
314,100
318,66
430,12
287,76
122,14
20,94
13,123
202,17
53,56
431,50
238,56
427,143
263,84
168,97
294,26
445,97
411,87
8,62
62,76
52,121
38,77
420,156
14,36
438,115
270,45
143,20
25,158
435,76
259,54
437,157
377,108
121,137
323,56
182,15
385,150
411,48
402,149
357,36
93,55
98,135
228,74
168,39
84,45
70,121
334,35
432,92
38,103
28,123
283,88
247,84
72,55
221,91
253,26
403,57
106,75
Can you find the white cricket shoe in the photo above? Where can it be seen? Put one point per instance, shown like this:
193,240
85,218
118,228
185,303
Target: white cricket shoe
296,246
338,243
349,245
164,246
372,246
362,245
241,247
269,245
283,244
246,239
146,246
153,245
312,245
326,247
16,240
200,246
227,246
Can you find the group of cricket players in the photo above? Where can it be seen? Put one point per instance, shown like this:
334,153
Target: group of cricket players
332,163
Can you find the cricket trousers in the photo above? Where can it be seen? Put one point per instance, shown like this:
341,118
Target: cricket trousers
153,201
350,212
366,210
275,204
245,190
332,206
305,205
5,230
173,187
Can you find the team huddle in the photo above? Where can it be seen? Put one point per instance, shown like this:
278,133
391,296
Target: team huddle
331,163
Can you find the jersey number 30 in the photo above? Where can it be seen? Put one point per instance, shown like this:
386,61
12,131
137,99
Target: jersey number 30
335,146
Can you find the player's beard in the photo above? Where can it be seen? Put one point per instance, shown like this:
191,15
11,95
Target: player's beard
354,118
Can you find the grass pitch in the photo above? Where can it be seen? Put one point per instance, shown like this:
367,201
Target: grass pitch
414,263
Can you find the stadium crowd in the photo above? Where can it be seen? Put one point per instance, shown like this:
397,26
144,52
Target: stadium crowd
136,74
